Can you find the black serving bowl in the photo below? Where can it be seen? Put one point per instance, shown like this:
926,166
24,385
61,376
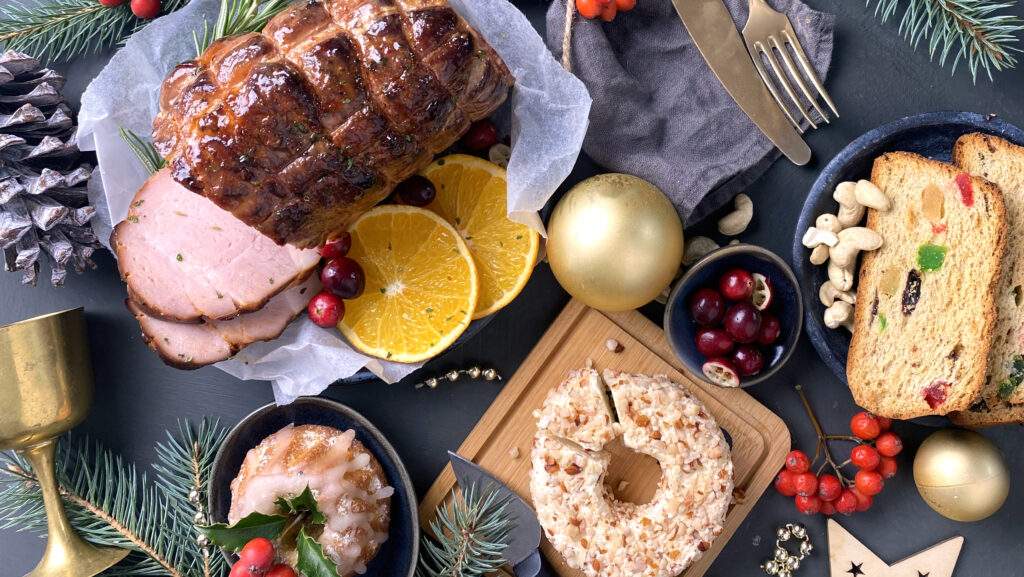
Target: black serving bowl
932,135
787,305
397,556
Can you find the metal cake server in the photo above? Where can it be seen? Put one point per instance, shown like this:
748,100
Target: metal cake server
713,31
522,552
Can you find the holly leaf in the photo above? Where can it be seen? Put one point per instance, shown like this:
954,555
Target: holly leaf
234,537
313,562
304,502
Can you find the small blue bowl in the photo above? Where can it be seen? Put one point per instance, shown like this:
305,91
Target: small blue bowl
787,305
932,135
397,556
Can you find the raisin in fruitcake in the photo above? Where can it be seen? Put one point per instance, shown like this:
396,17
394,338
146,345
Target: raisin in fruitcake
1002,398
926,306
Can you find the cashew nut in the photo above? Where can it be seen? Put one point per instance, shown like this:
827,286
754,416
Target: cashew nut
829,293
871,196
850,211
828,222
820,254
852,241
696,248
840,314
500,154
736,221
815,236
840,277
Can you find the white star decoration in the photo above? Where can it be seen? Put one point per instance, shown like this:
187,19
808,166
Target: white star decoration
849,557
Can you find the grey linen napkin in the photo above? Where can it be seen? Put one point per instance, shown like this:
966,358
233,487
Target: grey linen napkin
661,114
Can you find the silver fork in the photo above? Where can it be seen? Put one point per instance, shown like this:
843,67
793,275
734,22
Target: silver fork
769,36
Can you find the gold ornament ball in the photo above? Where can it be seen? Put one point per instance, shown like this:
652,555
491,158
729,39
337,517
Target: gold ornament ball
961,475
615,242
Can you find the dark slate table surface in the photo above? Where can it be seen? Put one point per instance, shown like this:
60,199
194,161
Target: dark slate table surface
875,78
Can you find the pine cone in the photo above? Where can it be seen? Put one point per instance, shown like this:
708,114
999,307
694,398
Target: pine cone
44,207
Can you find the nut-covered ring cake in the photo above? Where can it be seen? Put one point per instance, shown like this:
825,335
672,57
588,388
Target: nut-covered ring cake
347,481
593,531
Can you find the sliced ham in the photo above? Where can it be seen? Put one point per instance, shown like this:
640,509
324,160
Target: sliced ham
193,345
185,259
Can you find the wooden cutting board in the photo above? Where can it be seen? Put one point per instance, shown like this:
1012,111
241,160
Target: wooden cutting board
502,439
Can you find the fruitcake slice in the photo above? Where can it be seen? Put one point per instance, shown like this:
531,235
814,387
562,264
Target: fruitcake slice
578,409
1001,399
926,306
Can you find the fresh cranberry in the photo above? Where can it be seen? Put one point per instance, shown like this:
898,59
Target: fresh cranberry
797,462
737,284
713,343
416,191
343,277
326,309
257,553
481,135
771,328
707,307
743,322
337,247
748,360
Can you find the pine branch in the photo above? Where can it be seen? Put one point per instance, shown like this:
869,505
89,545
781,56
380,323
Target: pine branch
143,149
111,504
66,29
183,472
978,32
238,17
469,535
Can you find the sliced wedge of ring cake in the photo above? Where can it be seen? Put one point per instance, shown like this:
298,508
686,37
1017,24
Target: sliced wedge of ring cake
926,307
1002,399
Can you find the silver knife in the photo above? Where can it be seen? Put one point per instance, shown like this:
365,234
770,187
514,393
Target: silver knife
522,552
716,36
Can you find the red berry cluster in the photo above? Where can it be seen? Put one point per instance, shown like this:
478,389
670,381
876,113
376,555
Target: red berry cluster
256,559
731,339
831,493
341,277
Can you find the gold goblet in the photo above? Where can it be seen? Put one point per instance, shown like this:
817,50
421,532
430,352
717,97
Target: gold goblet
45,390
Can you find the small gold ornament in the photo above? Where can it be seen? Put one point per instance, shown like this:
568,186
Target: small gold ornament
614,242
783,563
961,475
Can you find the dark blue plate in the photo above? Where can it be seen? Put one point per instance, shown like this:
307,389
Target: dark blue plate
787,305
932,135
397,556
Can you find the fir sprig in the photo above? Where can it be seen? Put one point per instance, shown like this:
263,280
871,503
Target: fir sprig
66,29
977,32
470,533
110,503
143,149
238,17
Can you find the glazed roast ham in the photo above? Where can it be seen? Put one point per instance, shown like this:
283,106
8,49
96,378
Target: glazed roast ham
274,142
301,128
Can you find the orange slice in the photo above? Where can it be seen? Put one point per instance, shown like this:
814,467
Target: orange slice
421,285
471,196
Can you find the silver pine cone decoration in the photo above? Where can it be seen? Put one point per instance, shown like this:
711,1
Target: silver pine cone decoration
44,207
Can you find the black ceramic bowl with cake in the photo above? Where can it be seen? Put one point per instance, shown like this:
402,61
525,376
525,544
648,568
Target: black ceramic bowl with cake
359,484
735,316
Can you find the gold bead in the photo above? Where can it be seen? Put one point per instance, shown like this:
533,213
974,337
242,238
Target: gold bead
431,382
473,372
783,534
781,554
490,374
806,548
452,376
770,567
799,531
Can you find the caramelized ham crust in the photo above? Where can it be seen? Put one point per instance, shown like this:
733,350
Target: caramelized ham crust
300,128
